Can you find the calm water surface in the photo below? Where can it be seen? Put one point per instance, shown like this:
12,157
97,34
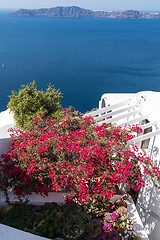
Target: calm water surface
84,58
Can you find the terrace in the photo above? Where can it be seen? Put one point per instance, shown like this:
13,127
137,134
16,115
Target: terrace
124,110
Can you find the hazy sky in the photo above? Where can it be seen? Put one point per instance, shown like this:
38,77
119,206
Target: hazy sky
148,5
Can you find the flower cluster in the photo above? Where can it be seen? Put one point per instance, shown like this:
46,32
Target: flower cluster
118,227
74,155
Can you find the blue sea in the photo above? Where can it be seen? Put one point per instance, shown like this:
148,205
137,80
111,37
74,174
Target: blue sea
84,58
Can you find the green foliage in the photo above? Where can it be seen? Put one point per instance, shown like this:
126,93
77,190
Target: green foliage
20,216
74,221
92,110
96,206
50,225
30,102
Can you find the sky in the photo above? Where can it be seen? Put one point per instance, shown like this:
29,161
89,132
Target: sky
146,5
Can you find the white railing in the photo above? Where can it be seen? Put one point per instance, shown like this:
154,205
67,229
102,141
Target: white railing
144,137
114,114
134,121
116,119
107,109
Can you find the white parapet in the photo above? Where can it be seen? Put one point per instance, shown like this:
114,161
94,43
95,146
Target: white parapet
6,122
9,233
147,100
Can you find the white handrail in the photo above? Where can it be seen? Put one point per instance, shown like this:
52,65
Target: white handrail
144,137
111,114
106,109
111,120
133,121
147,125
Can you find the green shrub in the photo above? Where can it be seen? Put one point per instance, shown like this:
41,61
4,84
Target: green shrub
20,216
97,206
30,102
50,224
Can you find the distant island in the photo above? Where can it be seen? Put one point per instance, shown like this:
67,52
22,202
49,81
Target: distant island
77,12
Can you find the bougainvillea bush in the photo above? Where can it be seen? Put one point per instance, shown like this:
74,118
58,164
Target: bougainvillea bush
74,155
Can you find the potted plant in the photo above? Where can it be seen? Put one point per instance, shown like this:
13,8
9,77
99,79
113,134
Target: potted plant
118,226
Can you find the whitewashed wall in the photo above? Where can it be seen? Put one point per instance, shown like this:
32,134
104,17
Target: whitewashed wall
148,204
6,122
58,197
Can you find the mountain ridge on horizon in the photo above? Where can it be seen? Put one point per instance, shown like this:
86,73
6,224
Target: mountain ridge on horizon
78,12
